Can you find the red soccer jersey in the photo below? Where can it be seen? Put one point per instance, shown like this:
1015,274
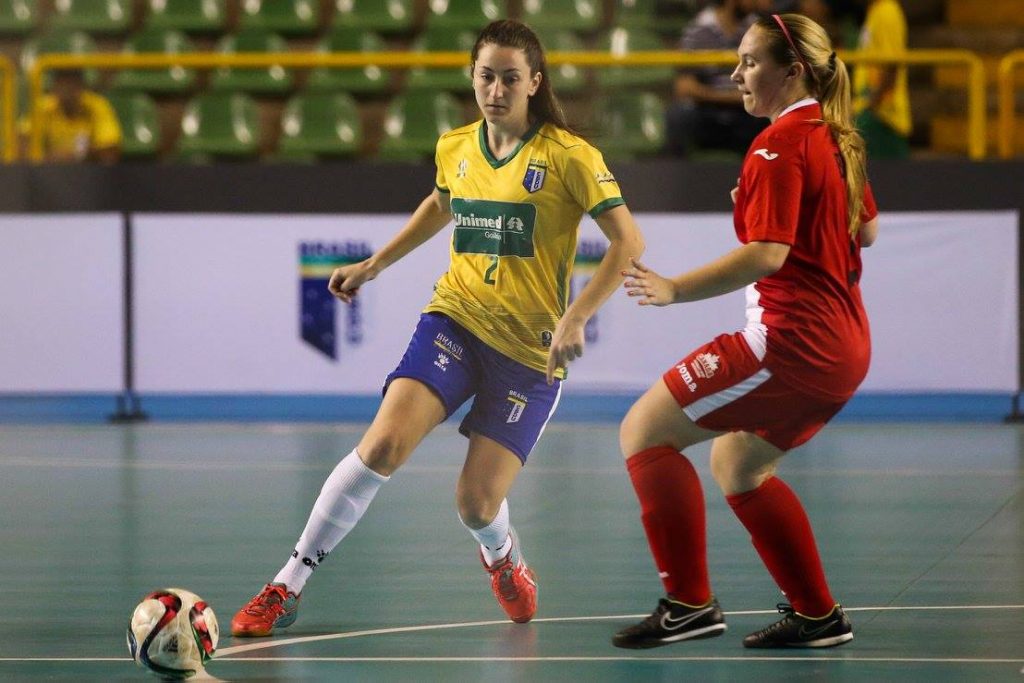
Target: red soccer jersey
807,320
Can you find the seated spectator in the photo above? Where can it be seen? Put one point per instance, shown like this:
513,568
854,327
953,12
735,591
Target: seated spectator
77,124
707,109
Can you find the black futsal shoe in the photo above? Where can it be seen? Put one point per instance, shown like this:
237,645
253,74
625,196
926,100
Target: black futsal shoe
671,622
796,630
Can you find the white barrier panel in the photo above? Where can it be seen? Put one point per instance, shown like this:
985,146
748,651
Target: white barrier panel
61,303
236,303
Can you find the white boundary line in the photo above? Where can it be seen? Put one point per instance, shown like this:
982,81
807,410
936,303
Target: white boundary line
229,652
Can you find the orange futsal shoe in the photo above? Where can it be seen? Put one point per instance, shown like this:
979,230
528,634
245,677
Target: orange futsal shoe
514,584
273,607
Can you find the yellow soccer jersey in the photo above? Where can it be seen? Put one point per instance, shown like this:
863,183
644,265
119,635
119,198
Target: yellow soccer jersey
95,128
516,224
884,32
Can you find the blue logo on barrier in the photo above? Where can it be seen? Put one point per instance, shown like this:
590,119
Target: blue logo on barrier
318,307
588,256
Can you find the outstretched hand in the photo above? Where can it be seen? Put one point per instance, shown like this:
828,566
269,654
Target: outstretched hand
651,288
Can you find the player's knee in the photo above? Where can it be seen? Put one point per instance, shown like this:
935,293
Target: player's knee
477,509
634,435
736,475
384,454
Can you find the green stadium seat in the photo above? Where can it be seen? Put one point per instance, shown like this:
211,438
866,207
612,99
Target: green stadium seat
274,80
140,124
219,124
464,15
414,121
58,42
18,17
191,16
320,125
622,41
565,78
639,14
382,16
94,16
442,40
289,17
631,124
582,16
367,79
172,80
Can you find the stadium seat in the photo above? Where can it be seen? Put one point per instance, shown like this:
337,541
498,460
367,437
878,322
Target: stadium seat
289,17
367,79
631,124
140,124
583,16
219,124
383,16
191,16
414,121
94,16
18,17
442,40
565,78
171,80
319,125
622,41
59,42
464,15
639,14
273,80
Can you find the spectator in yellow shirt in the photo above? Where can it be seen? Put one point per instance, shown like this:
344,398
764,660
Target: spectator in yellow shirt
77,125
881,97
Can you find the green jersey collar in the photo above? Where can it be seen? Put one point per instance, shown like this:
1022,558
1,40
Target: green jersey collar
495,163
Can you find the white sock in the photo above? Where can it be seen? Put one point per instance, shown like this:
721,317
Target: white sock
494,539
343,499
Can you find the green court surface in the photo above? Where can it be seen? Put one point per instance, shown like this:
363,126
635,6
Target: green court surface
921,528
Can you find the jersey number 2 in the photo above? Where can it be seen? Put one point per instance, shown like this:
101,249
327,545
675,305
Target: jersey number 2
489,273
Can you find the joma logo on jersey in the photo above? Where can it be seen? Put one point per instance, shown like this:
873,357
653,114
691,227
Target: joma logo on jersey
318,307
687,377
533,180
518,402
493,228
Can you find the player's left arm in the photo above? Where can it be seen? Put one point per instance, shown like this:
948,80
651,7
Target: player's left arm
625,241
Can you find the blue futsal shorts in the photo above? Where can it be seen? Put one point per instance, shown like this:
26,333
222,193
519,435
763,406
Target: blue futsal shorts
512,403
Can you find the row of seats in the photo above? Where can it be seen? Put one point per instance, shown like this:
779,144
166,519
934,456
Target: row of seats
328,125
275,80
304,17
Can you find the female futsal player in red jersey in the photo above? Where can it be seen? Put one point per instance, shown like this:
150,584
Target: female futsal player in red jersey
803,210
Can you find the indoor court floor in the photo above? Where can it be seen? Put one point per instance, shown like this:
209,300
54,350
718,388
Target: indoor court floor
921,527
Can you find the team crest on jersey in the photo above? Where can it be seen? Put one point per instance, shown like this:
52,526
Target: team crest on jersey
518,402
535,172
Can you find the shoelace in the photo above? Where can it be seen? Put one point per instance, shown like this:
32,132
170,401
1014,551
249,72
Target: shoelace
784,608
267,601
507,584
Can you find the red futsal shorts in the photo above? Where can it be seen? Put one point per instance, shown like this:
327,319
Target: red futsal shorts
723,386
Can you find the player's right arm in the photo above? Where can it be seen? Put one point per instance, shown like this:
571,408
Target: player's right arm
427,220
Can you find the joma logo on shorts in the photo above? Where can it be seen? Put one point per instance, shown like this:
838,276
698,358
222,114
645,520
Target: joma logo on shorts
687,377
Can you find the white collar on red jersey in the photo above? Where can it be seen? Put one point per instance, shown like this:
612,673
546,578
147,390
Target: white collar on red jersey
807,101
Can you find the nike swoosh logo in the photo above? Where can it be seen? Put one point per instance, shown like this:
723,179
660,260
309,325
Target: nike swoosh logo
804,632
765,153
670,624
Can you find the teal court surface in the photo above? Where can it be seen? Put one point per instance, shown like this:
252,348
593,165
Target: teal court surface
921,527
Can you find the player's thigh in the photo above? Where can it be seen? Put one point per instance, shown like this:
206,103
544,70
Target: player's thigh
657,419
741,461
408,412
487,476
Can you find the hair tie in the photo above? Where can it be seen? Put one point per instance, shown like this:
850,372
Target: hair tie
832,60
789,39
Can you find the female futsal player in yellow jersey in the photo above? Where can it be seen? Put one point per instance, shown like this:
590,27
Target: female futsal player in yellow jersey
499,327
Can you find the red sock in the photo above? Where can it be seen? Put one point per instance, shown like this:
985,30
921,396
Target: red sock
672,510
782,535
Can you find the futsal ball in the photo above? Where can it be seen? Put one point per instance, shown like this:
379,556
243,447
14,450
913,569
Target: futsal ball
173,633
